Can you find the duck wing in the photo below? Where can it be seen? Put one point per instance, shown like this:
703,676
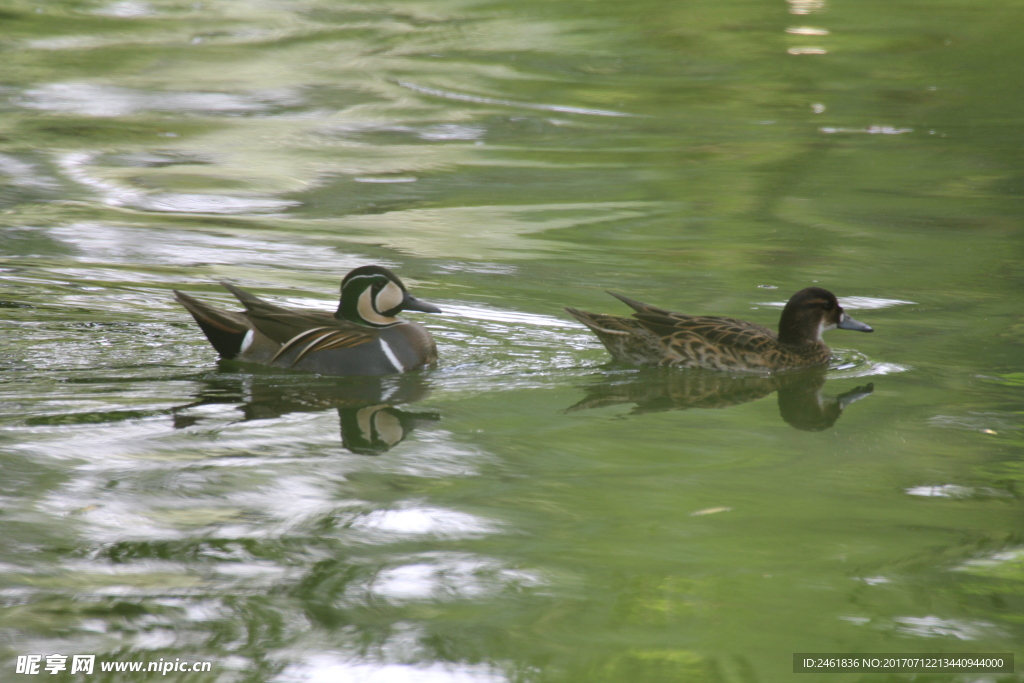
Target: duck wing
342,334
641,307
256,306
304,331
723,333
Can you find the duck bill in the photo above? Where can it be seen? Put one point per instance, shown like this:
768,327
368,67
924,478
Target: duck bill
848,323
411,303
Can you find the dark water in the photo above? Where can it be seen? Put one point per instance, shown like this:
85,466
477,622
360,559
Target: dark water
525,511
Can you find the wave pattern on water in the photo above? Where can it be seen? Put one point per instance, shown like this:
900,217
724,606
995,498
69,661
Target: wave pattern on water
526,510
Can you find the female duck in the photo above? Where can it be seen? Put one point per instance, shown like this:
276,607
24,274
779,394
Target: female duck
364,336
654,336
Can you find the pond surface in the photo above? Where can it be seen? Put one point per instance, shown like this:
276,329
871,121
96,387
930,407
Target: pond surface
526,511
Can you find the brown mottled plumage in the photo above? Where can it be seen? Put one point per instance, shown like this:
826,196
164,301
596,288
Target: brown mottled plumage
655,336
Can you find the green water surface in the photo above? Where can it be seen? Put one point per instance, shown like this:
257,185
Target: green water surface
525,512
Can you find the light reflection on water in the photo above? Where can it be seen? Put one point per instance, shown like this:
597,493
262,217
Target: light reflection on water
449,576
323,668
79,167
852,302
89,99
100,244
509,103
385,524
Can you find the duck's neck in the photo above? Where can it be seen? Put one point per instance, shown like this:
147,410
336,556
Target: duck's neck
360,309
797,332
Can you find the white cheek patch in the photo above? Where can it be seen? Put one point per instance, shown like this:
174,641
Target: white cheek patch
389,297
823,327
367,312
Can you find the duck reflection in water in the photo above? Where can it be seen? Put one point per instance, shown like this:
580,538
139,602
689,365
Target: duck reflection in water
802,403
371,421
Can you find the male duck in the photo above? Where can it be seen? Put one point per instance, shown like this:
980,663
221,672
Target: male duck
362,338
654,336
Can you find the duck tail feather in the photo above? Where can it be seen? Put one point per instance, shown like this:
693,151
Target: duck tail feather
225,330
632,303
592,321
242,295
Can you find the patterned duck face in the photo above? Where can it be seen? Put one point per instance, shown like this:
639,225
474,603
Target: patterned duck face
374,296
811,312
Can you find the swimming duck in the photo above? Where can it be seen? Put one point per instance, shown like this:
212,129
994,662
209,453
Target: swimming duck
655,336
364,336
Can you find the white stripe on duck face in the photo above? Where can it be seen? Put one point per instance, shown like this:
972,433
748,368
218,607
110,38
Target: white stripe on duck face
367,311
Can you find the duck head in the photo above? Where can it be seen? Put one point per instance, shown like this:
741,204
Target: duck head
373,295
812,311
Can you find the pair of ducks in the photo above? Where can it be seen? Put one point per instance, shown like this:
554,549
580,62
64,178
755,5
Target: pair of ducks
365,336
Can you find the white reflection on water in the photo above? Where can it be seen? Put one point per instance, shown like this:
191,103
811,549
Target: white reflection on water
486,349
488,232
876,580
386,524
853,302
332,668
955,491
860,621
453,131
988,422
450,95
871,302
451,576
241,485
211,203
807,31
1006,560
478,267
936,627
91,99
126,9
944,491
385,179
870,130
806,6
17,172
861,366
80,167
506,316
106,243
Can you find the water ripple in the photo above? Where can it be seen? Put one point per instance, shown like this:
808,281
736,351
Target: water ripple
463,97
90,99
